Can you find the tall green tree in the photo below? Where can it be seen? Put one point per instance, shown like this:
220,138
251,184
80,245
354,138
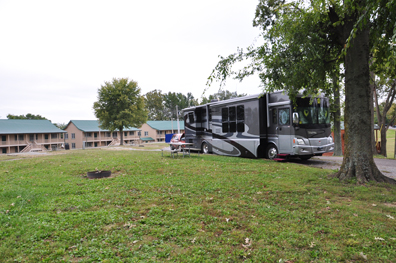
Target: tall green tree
154,102
173,99
304,42
28,116
120,105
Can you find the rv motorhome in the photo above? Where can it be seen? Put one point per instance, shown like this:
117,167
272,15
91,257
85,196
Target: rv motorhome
267,125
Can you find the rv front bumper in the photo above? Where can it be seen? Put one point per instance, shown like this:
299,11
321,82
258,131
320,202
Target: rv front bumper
312,150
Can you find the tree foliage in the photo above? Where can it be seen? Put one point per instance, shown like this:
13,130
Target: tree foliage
120,105
305,42
154,102
60,125
28,116
221,95
162,106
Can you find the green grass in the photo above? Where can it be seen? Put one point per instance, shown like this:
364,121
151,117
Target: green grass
390,143
205,208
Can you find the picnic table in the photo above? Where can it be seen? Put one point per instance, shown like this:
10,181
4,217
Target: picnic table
184,146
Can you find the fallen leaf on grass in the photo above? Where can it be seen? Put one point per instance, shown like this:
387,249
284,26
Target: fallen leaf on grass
248,243
379,238
389,216
193,241
374,205
312,244
355,214
363,255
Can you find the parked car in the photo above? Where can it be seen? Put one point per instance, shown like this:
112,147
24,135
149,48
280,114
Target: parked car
178,137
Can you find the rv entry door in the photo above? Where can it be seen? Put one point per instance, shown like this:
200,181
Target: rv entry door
284,130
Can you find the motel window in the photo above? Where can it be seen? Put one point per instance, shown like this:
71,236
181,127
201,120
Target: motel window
21,137
4,150
54,136
16,137
88,134
146,133
95,134
3,138
131,133
46,136
114,134
61,135
73,135
66,136
159,132
73,145
125,134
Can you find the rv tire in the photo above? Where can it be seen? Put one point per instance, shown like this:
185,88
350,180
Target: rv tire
205,148
271,152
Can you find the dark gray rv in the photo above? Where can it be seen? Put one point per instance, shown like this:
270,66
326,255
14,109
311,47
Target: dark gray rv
267,125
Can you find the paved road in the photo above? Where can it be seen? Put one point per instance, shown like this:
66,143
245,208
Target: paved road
386,166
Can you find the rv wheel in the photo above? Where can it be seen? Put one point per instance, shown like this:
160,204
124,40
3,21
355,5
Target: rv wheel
271,152
205,148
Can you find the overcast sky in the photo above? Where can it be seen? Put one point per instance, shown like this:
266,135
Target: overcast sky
54,55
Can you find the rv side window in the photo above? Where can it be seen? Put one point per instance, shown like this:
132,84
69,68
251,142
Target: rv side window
284,116
232,113
191,117
224,119
274,116
232,119
240,118
241,113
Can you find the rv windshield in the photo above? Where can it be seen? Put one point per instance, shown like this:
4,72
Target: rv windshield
313,112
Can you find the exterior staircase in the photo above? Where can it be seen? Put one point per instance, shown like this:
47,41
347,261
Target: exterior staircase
33,147
26,149
114,142
37,147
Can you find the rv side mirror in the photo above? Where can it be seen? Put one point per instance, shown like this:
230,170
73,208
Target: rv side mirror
296,118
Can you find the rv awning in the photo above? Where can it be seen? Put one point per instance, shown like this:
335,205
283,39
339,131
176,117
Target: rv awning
147,139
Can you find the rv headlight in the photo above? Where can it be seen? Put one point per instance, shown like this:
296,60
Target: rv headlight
330,139
300,142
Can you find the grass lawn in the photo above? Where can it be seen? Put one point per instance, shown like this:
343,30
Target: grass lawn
390,143
205,208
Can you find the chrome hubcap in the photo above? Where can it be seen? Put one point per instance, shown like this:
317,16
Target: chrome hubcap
272,153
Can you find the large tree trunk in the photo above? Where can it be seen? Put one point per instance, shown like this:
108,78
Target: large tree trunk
122,136
337,118
358,156
383,136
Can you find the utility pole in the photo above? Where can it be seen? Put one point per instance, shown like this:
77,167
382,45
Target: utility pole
177,117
